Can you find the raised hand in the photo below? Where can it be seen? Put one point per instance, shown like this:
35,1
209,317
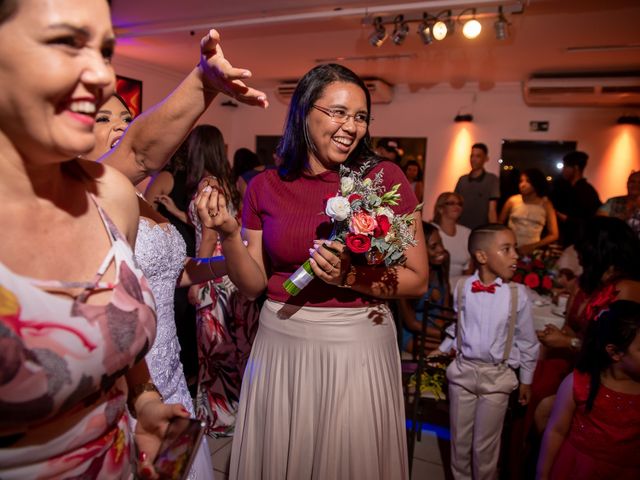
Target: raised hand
211,205
219,75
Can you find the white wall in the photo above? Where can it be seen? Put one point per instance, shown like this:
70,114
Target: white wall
499,113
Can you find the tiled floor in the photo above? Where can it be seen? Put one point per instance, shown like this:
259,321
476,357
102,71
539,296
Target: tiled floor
427,458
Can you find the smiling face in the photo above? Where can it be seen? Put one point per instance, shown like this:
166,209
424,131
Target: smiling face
498,256
333,142
112,120
55,72
435,249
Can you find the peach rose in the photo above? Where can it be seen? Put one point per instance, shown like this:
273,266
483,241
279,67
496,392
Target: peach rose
362,223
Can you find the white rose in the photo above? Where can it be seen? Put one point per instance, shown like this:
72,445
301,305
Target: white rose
338,208
346,185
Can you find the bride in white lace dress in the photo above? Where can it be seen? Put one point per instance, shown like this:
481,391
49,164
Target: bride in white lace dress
161,254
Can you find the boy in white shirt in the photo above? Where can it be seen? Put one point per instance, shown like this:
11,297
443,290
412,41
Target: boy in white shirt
495,335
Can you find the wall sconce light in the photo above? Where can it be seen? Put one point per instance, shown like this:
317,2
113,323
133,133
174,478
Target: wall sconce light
463,117
379,34
471,28
400,30
501,25
629,120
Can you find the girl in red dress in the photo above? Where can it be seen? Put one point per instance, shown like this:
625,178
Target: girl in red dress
594,429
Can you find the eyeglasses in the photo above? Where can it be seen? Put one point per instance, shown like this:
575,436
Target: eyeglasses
338,115
452,203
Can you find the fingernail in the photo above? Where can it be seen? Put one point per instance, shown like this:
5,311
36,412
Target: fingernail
312,251
262,98
142,456
246,74
207,189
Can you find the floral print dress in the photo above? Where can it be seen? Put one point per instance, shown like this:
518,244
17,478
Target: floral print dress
62,394
226,323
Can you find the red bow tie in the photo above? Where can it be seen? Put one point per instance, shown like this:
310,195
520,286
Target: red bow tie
478,286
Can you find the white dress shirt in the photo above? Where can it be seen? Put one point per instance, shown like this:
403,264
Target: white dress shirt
485,323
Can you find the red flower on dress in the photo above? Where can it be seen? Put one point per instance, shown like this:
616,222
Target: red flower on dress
600,300
532,280
358,243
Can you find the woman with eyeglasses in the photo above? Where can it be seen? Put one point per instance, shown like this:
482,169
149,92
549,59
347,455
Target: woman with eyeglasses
322,395
446,213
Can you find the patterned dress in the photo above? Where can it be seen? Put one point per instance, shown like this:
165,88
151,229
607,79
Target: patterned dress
62,394
226,323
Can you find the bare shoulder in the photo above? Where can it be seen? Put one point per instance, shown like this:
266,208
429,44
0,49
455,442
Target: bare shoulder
628,290
115,194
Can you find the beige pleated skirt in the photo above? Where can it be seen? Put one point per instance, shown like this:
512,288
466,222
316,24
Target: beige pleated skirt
321,397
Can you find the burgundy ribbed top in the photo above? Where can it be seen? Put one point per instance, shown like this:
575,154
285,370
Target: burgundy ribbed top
291,215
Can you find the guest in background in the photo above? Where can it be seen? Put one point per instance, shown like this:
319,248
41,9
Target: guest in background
530,213
608,254
480,190
625,207
413,173
226,320
413,312
582,200
455,237
389,149
246,165
322,397
594,430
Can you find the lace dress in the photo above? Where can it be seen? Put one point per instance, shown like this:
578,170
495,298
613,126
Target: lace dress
160,251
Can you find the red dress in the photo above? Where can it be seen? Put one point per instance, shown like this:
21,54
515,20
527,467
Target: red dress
603,443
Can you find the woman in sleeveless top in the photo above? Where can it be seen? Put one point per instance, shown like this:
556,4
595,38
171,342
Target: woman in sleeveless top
76,314
531,212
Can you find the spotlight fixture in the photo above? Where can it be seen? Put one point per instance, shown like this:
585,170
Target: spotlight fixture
400,30
471,28
424,30
501,25
379,35
443,25
629,120
463,117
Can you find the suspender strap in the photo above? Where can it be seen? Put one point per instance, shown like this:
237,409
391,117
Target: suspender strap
512,321
460,288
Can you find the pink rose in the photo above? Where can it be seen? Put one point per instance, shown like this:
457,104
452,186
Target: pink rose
383,226
362,223
358,243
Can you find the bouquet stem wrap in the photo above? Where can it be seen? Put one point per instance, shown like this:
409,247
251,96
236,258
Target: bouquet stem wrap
302,276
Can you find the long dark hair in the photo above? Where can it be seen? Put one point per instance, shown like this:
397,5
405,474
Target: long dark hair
296,139
607,242
618,326
206,153
537,180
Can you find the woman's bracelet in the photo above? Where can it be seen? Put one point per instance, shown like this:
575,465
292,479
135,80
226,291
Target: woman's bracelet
138,390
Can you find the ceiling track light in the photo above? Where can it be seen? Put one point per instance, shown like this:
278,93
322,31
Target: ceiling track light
400,30
379,34
443,25
501,25
472,27
629,120
425,29
463,117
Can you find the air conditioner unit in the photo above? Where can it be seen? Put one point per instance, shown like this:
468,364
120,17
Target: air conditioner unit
599,90
381,91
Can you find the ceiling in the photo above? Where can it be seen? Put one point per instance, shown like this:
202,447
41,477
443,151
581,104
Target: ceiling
281,39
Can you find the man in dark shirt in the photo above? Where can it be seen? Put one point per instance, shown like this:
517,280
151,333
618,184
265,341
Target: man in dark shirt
581,200
480,190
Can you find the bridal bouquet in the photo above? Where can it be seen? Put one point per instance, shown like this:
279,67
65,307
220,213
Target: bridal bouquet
364,222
